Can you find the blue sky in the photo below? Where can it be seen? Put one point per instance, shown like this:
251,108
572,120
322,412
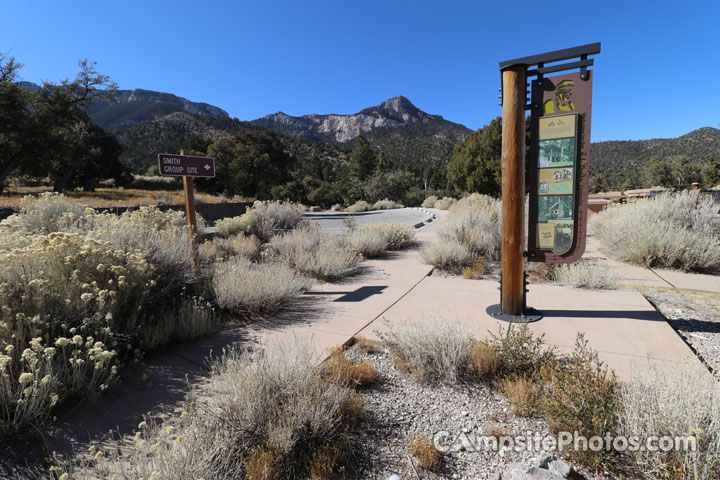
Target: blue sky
657,75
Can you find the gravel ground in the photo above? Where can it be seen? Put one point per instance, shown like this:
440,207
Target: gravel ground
399,407
696,317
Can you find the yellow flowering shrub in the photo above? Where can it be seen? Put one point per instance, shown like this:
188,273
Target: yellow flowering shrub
65,302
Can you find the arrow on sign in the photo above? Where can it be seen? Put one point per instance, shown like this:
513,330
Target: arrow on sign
207,167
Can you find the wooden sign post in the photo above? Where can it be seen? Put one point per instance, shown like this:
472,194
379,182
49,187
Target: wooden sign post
554,184
513,190
188,167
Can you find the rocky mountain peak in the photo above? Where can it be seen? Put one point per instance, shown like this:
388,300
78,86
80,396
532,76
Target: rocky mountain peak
399,104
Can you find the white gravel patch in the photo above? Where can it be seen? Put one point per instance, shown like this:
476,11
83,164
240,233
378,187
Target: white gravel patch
399,407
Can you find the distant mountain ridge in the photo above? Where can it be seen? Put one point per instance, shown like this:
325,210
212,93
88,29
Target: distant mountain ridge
138,106
396,117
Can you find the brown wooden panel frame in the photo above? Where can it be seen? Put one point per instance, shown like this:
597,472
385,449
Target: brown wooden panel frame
543,90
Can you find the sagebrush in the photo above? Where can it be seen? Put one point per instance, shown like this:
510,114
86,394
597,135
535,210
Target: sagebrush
674,230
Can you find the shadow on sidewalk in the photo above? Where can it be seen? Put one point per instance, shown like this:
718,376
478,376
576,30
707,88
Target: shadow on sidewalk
619,314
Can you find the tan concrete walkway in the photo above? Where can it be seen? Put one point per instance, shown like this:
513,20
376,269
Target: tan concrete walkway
637,277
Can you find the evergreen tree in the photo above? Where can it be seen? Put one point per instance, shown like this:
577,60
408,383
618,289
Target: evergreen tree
362,159
711,173
475,164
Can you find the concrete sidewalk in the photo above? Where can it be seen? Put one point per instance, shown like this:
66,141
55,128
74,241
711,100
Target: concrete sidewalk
635,276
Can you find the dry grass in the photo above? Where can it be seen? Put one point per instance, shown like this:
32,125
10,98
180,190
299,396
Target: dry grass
680,402
365,345
107,197
523,393
474,272
344,371
431,349
256,289
584,275
422,448
483,362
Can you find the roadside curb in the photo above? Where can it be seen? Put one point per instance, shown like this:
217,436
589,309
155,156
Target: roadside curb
428,220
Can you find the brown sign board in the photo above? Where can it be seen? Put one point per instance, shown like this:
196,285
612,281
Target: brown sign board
559,176
186,166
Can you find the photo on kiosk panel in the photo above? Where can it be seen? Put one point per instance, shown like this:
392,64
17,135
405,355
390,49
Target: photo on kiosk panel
559,152
554,207
555,181
556,236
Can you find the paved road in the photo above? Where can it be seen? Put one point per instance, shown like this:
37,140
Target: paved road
332,222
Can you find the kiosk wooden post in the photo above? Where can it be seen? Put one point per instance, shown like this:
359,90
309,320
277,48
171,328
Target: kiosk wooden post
513,190
189,194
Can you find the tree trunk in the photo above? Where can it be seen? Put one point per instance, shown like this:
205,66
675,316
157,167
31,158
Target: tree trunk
60,181
88,184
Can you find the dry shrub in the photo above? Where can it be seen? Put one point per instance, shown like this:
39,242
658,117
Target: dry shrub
581,395
264,220
344,371
680,230
584,275
681,402
262,414
359,206
256,289
431,349
386,204
519,352
68,305
236,245
182,321
483,362
496,431
449,256
397,236
429,202
474,222
523,393
261,464
365,345
77,303
444,203
539,272
312,252
367,243
422,448
474,272
48,213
